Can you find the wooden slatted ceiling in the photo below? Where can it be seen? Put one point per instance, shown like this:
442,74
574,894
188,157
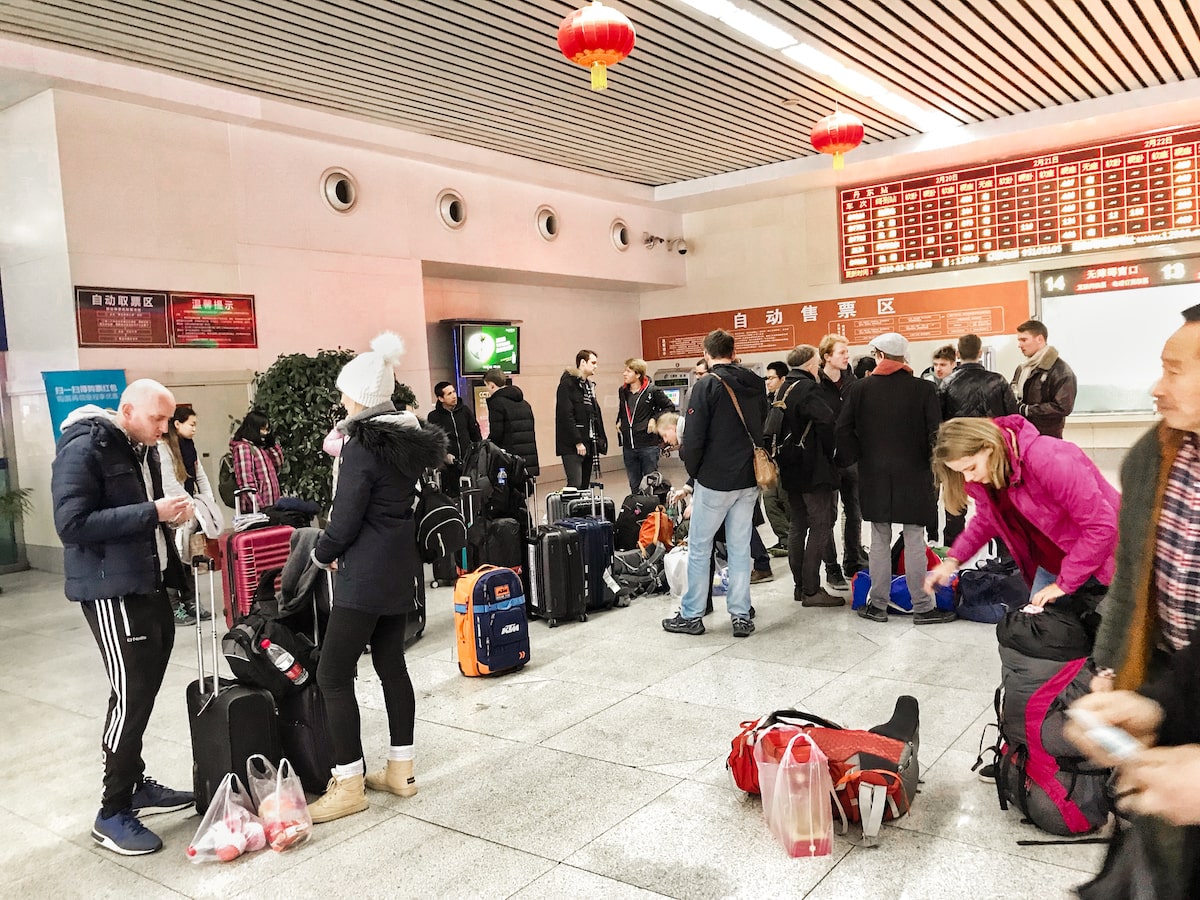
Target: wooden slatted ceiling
694,99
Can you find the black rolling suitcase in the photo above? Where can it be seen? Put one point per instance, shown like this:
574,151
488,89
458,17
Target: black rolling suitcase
229,722
554,576
596,540
415,626
445,570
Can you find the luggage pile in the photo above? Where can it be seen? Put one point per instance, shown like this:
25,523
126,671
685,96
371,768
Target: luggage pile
276,608
567,561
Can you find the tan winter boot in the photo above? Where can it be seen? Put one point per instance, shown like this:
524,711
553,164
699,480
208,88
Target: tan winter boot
397,778
342,797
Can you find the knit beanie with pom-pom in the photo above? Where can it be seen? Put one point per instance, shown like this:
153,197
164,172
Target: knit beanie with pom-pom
369,378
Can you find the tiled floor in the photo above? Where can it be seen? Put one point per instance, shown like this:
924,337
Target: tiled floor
598,771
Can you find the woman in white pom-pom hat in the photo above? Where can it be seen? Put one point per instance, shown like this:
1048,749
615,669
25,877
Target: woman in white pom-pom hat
371,545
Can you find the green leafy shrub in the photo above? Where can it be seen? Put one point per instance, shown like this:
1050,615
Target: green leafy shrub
299,394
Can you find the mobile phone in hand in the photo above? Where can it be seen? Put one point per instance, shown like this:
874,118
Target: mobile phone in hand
1112,740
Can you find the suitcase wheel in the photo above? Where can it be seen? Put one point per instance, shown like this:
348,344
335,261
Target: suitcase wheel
583,617
435,583
553,623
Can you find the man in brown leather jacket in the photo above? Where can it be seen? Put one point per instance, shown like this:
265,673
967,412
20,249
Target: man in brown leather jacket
1044,383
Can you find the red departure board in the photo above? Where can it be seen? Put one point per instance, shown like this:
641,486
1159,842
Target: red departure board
1127,193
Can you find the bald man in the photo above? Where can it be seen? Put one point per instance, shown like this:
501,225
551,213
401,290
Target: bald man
112,517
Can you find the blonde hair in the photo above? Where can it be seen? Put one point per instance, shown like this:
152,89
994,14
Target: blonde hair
825,348
638,365
666,420
958,439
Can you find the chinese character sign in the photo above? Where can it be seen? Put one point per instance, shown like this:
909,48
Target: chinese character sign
943,314
120,317
67,391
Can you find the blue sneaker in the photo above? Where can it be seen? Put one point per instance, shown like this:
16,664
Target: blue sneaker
123,833
150,798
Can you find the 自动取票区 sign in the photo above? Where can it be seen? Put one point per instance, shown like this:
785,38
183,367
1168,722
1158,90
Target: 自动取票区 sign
123,317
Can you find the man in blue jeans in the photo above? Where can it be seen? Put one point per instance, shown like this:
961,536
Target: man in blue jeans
722,428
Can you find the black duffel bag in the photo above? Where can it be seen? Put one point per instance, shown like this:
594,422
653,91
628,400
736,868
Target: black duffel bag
252,664
990,590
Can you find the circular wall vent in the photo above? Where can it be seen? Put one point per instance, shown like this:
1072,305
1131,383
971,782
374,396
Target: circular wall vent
619,233
547,222
339,189
452,209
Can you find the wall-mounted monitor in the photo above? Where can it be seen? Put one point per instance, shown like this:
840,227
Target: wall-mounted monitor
674,394
483,347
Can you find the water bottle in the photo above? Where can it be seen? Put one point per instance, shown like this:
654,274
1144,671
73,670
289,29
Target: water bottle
502,477
284,662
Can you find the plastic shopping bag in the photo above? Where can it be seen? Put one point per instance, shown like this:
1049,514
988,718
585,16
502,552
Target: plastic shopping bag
229,828
675,566
281,802
797,789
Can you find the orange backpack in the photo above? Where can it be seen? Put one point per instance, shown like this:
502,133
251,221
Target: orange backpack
656,529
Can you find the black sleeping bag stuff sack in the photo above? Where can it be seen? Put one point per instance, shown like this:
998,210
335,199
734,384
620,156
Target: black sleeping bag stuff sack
987,592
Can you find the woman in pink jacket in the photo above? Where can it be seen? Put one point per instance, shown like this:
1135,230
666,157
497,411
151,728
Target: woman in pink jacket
1042,496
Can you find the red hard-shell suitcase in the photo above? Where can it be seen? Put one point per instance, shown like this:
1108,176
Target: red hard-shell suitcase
247,555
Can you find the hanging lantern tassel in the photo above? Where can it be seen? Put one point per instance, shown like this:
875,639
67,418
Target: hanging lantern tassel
596,37
837,134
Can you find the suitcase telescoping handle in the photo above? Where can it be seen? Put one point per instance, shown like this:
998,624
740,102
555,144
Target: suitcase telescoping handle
206,561
252,493
596,489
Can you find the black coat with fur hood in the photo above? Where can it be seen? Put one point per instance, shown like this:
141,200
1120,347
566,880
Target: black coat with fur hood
371,530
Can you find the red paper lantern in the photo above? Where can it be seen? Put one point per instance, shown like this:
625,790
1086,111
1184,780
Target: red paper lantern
838,133
596,37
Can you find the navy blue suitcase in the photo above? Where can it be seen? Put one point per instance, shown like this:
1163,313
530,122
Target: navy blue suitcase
554,579
596,538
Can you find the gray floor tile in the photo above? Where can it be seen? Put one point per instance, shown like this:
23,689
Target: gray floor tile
653,733
741,684
568,881
920,867
542,801
698,841
404,857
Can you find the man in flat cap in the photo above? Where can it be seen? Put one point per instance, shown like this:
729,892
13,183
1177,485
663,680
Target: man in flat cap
887,425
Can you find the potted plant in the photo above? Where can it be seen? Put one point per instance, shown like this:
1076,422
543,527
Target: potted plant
299,395
14,504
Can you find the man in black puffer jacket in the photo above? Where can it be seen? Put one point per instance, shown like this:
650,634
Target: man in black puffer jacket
971,390
579,437
455,418
510,420
111,515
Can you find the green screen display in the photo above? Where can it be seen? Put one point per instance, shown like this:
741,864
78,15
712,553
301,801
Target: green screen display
483,347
